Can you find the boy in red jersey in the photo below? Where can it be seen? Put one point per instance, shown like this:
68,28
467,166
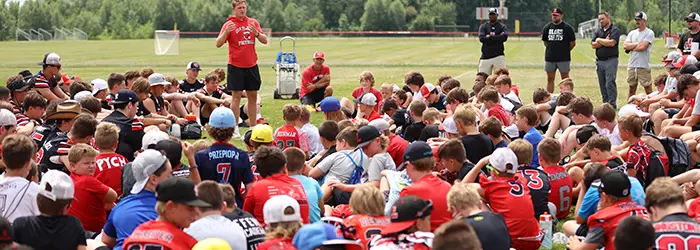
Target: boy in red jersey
639,161
289,135
419,162
109,163
272,167
665,203
367,86
240,33
366,109
534,178
616,203
509,197
176,207
560,196
367,219
92,197
491,99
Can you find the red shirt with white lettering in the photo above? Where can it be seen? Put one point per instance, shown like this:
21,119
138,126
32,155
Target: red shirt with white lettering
109,170
560,189
241,42
607,219
277,184
364,227
87,205
310,76
289,136
159,235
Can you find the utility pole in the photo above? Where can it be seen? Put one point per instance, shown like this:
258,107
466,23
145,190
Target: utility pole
669,17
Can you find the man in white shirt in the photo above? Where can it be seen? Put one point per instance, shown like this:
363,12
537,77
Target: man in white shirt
638,45
211,223
17,194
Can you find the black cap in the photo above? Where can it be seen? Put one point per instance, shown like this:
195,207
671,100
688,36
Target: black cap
366,134
247,136
5,231
558,11
18,85
125,96
26,74
405,212
193,65
689,69
640,15
615,183
172,150
493,11
180,190
401,117
415,151
584,133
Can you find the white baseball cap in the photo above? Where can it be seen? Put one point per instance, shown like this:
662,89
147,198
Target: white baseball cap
51,59
97,85
56,185
367,99
157,79
450,125
7,118
281,208
697,74
151,138
631,109
381,124
504,160
426,89
82,94
145,164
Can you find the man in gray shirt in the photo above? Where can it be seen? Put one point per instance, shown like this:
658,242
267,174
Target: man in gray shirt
638,45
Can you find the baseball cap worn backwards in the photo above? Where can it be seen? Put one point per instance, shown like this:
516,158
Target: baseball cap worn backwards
405,212
179,190
145,164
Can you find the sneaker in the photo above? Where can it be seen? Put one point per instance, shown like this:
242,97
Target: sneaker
311,108
236,135
262,121
243,125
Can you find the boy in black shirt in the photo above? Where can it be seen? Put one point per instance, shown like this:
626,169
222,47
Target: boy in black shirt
465,203
433,125
412,131
453,161
53,229
399,115
477,145
559,39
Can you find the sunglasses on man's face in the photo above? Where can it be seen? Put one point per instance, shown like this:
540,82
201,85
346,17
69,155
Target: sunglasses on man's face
57,66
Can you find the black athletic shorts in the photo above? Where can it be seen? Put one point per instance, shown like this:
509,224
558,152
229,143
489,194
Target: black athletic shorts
239,79
314,97
696,127
339,198
671,112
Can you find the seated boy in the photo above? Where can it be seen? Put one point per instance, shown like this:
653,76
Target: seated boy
327,131
434,98
503,85
211,96
401,98
92,196
605,120
534,178
54,153
453,161
581,110
477,145
413,131
688,86
289,135
507,196
639,154
311,132
561,187
525,120
34,106
54,228
449,85
367,107
493,128
367,86
554,116
665,89
493,105
433,125
109,163
295,165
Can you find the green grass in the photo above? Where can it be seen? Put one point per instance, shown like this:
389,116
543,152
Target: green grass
388,58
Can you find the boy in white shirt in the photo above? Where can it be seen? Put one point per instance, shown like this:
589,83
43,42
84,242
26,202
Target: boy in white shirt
20,194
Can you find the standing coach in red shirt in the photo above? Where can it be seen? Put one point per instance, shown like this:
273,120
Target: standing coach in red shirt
240,32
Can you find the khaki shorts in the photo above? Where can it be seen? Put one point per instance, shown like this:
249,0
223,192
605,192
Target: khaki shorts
641,76
487,65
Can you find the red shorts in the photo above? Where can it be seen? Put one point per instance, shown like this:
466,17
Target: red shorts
526,245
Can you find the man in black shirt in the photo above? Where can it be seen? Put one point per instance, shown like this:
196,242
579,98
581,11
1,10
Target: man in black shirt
606,53
692,36
492,35
559,39
191,83
130,128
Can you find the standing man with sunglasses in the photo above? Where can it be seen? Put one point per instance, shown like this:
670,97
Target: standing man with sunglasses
46,81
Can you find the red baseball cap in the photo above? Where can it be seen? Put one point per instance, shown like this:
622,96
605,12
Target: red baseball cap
319,54
65,79
426,89
557,12
686,59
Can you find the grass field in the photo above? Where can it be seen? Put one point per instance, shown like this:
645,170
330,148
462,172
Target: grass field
388,58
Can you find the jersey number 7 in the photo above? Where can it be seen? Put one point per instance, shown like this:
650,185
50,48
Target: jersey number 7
225,170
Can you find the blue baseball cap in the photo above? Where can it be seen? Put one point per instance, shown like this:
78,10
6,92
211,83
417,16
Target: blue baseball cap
222,117
125,96
330,104
318,234
415,151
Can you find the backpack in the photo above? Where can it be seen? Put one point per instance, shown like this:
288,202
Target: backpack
658,167
191,131
677,152
356,177
516,105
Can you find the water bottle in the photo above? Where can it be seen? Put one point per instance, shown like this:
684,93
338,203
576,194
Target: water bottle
546,226
175,130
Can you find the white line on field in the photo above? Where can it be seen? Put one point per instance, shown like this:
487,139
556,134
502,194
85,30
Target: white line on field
464,74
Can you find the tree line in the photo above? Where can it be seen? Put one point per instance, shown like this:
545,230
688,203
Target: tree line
136,19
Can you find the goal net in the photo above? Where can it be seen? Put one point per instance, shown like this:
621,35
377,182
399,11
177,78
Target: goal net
167,42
